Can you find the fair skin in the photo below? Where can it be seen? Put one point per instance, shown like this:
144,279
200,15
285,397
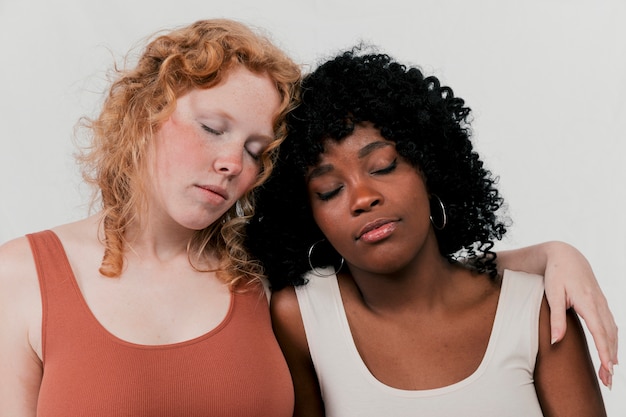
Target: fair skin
202,159
373,207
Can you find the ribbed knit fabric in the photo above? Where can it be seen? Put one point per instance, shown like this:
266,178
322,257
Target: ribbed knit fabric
237,369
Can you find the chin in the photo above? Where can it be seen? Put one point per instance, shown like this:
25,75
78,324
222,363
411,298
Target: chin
198,223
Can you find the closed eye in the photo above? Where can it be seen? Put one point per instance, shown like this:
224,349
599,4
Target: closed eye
212,131
328,195
255,148
389,168
254,155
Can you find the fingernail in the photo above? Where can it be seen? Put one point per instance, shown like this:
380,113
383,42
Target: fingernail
611,368
554,340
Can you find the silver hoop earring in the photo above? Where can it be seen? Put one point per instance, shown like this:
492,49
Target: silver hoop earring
444,216
314,269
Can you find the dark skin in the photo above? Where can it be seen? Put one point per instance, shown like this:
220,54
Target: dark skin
563,372
289,331
432,319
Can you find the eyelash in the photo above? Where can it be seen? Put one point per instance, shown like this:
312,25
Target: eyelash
327,196
388,169
256,157
212,131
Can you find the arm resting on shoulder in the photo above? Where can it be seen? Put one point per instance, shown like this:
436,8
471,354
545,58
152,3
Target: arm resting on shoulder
570,282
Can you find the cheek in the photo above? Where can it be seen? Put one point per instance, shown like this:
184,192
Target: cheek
328,220
178,143
318,215
248,176
415,194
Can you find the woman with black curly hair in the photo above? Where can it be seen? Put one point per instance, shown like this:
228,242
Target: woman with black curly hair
382,207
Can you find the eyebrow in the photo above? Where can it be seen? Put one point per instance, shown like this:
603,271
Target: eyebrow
363,152
318,171
371,147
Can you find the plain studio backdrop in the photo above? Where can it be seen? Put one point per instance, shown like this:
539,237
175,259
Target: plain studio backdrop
546,80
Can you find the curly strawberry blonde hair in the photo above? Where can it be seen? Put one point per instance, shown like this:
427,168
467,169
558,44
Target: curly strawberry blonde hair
143,97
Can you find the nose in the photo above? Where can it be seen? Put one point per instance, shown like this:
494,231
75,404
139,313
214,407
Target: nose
229,159
364,197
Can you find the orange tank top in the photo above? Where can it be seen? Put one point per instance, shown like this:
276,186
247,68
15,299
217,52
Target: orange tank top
237,369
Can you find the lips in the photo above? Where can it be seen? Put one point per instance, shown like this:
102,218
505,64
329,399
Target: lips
377,230
215,190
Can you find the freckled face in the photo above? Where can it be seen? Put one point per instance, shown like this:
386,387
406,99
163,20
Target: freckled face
206,155
369,202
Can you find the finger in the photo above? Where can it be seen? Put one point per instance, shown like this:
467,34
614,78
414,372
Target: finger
558,324
558,321
606,377
612,333
604,333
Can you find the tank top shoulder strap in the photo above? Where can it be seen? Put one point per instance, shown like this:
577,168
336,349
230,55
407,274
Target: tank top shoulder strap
51,261
55,279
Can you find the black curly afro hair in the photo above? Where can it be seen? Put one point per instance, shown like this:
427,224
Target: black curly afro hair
430,128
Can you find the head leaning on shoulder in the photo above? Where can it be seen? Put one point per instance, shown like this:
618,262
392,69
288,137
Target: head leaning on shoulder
430,129
142,98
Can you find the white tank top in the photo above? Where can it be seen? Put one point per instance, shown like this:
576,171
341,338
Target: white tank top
502,385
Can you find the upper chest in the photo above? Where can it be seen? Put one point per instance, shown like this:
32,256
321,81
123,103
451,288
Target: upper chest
430,349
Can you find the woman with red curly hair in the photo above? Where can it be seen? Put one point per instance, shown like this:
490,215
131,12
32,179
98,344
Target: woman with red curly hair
152,307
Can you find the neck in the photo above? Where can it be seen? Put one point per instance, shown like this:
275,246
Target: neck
427,282
157,241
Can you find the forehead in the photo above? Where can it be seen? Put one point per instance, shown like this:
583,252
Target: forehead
354,148
239,84
362,141
246,99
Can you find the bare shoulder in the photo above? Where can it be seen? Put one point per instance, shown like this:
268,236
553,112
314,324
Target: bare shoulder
20,297
287,320
20,321
17,267
285,301
285,311
565,379
291,336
